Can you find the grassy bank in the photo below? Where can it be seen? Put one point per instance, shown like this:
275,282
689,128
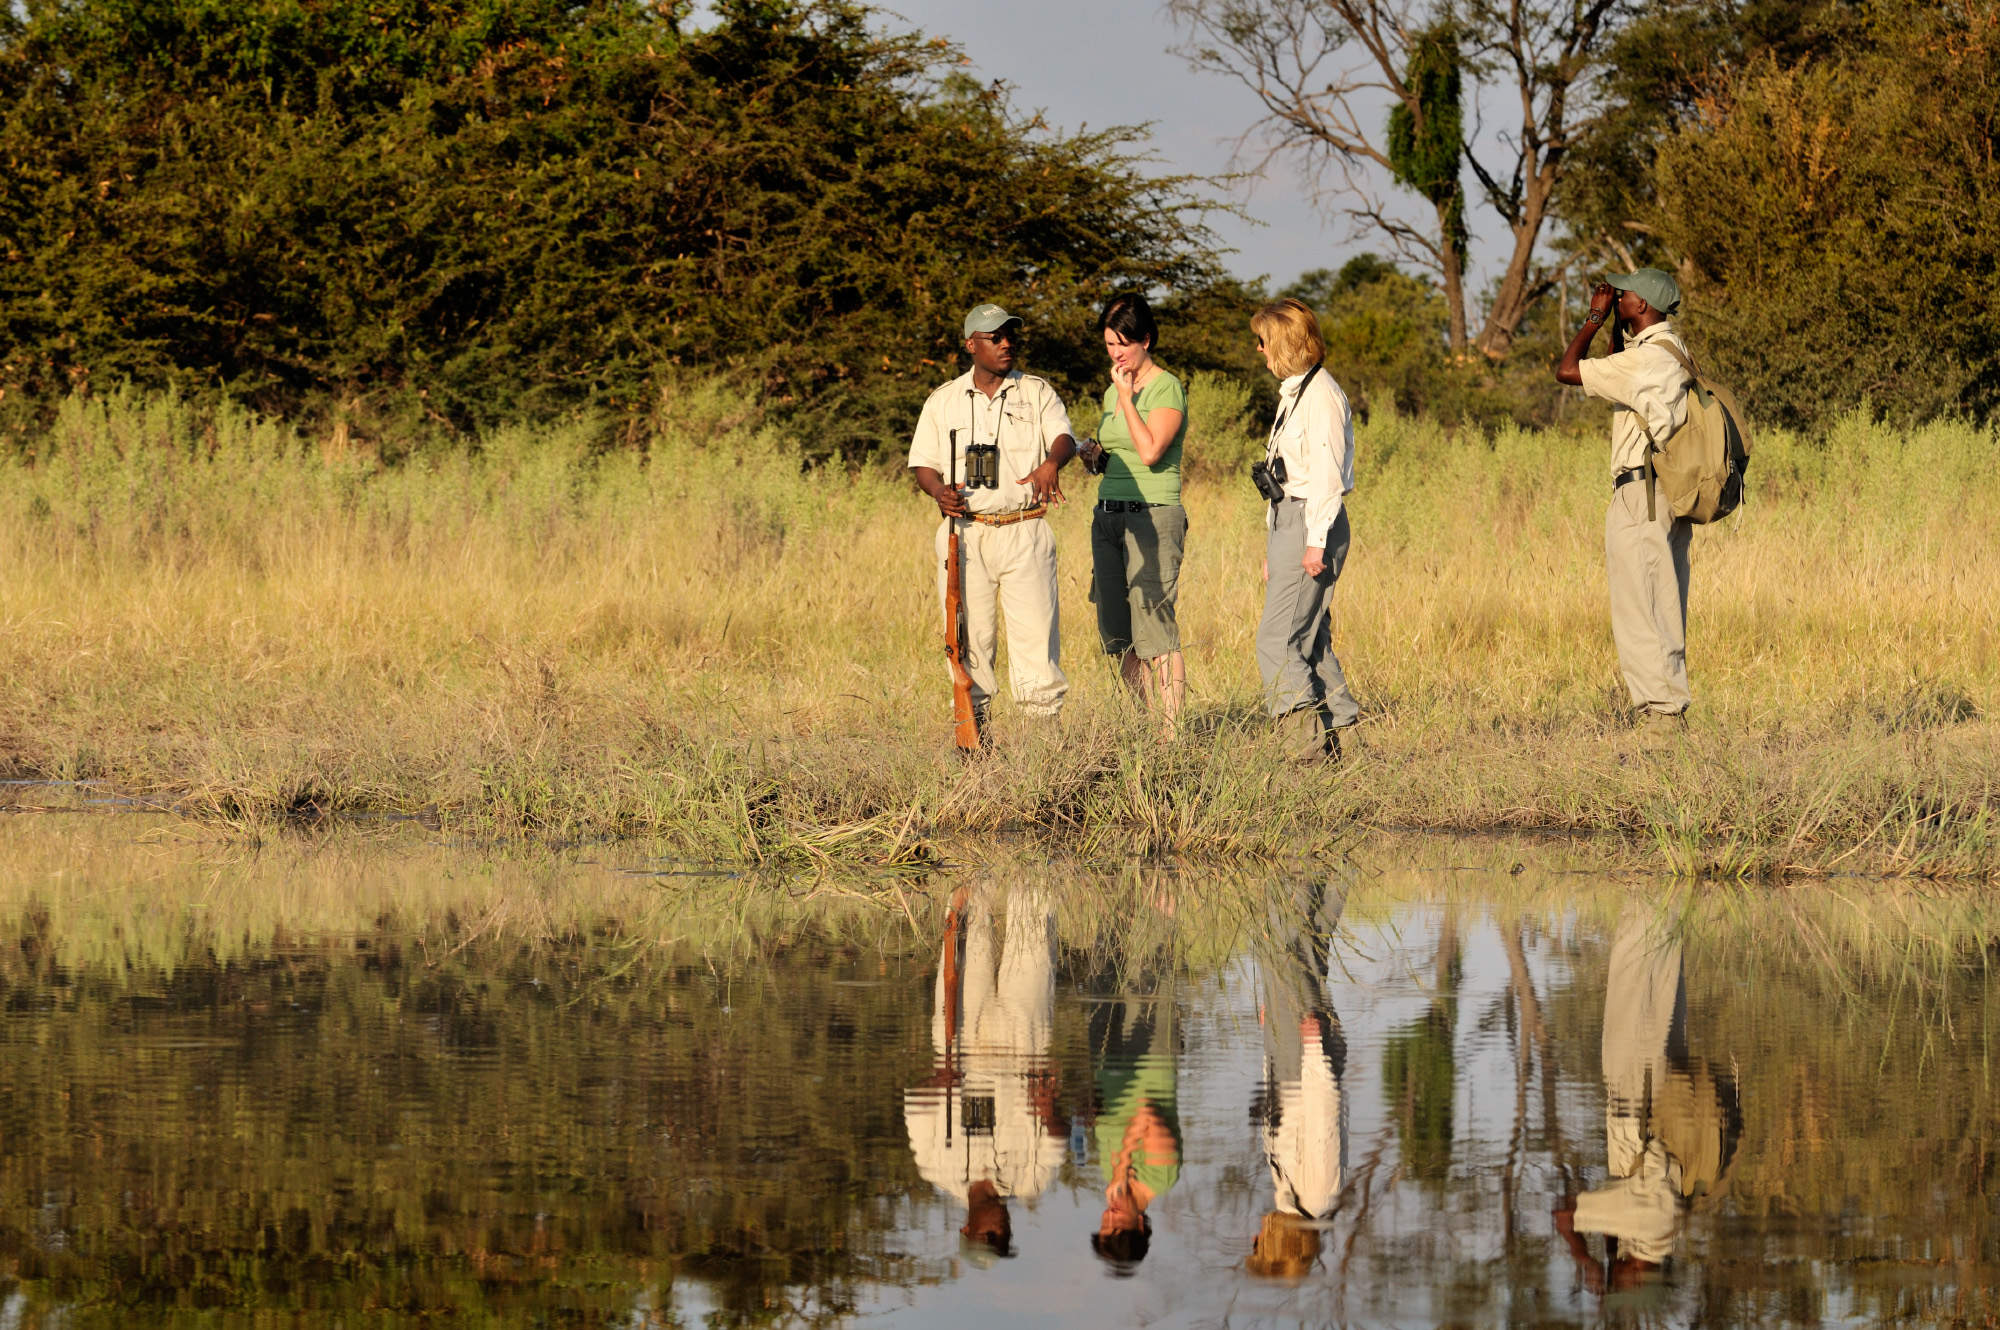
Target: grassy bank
691,640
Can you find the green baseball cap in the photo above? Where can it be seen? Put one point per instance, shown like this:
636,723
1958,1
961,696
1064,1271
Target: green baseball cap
987,318
1655,286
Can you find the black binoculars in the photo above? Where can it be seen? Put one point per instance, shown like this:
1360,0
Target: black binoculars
982,466
1269,478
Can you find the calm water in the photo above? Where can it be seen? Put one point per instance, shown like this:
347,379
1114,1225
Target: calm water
1372,1098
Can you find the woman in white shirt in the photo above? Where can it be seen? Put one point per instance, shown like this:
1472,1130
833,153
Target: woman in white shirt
1308,470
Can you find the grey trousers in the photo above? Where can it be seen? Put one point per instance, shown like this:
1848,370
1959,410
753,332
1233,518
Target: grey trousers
1646,565
1294,639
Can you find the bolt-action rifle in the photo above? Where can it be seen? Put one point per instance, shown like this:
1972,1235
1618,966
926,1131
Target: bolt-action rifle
965,720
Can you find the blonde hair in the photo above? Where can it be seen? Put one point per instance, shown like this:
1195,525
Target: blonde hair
1285,1247
1290,331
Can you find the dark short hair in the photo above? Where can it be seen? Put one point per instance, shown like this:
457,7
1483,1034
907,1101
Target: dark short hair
1131,318
1123,1250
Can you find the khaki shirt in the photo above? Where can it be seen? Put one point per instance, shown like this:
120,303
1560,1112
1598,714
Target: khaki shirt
1640,1205
1642,382
1025,416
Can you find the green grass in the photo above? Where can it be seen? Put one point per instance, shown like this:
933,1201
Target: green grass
691,640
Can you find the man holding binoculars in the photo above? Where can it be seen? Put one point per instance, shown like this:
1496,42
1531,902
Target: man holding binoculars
1645,378
988,447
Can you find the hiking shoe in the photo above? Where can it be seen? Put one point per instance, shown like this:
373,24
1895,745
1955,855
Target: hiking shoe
1305,738
1658,730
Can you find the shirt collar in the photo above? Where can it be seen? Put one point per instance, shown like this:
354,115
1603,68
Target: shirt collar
1663,328
1010,379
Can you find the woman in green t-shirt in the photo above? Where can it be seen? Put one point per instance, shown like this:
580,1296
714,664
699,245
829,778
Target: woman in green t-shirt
1138,528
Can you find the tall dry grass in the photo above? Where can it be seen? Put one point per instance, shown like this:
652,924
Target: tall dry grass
694,640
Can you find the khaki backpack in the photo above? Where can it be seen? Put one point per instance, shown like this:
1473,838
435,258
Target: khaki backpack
1701,465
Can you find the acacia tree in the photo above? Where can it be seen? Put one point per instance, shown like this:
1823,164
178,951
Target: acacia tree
441,215
1323,69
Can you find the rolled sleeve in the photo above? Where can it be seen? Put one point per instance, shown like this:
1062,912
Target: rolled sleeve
1051,415
928,446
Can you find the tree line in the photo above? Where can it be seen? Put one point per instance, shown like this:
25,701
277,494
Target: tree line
464,211
425,217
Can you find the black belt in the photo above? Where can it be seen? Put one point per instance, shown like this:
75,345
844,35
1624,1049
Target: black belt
1128,505
1626,476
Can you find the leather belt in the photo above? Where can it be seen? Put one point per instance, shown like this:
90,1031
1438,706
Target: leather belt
1128,505
1008,519
1626,476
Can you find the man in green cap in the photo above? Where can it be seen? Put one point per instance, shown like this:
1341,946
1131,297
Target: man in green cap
1645,557
1007,551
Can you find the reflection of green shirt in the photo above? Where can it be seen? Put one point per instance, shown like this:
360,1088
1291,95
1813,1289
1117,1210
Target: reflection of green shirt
1122,1086
1125,476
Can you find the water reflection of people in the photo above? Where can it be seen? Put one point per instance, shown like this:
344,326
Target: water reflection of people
1138,1125
1670,1126
1299,1109
983,1127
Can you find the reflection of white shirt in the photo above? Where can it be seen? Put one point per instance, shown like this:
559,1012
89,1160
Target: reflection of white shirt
1307,1150
984,1127
1025,416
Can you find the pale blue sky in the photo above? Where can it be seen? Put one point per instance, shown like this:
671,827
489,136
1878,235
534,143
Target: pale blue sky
1100,63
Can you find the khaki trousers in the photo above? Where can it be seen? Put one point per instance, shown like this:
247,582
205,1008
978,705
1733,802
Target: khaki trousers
1011,569
1646,565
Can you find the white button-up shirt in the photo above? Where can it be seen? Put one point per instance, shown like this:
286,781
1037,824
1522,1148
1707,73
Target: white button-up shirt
985,1123
1644,383
1314,433
1025,417
1306,1145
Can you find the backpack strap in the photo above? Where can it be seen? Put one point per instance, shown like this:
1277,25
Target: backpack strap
1651,446
1694,375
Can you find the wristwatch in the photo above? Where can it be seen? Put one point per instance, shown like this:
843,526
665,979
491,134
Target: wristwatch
1596,316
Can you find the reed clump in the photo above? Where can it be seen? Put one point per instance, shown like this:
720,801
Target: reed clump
694,639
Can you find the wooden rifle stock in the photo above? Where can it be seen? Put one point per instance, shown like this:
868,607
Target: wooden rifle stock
965,720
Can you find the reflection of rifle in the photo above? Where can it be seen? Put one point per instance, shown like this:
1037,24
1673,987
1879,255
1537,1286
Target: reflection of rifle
953,983
965,721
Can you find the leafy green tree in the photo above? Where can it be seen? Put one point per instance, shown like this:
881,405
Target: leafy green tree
1659,71
1835,218
1426,137
466,211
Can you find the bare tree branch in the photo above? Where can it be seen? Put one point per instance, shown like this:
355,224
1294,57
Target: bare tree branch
1324,72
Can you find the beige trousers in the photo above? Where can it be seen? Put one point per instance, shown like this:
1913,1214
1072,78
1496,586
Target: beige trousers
1646,564
1011,569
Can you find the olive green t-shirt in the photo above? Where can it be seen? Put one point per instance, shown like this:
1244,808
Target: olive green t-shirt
1123,1086
1125,476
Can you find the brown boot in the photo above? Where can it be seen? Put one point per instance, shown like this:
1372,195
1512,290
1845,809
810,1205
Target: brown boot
1659,731
1304,736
